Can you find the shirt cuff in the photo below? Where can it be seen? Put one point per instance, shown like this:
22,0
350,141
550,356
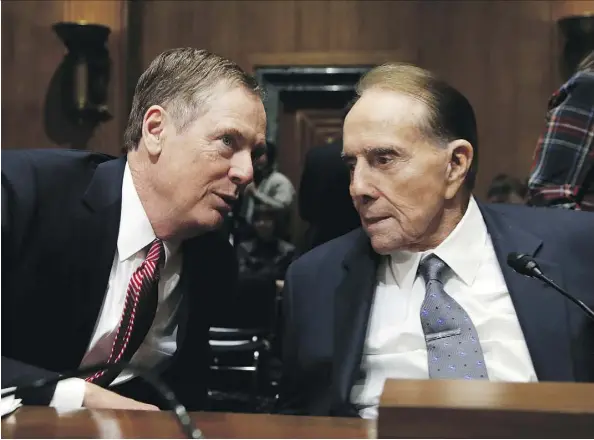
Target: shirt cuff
69,394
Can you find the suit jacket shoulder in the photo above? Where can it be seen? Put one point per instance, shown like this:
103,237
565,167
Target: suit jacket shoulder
329,255
568,233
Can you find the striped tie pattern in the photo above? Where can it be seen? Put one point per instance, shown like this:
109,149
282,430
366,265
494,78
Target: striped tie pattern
139,312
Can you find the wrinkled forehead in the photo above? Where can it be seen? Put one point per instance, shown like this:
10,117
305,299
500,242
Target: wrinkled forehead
383,115
239,109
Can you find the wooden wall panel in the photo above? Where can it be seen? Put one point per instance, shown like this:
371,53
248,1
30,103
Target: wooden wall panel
500,54
237,28
564,8
31,54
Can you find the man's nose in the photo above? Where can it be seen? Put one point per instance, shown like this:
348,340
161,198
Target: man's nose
242,169
360,188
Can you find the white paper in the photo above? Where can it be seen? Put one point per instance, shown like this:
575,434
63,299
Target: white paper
9,404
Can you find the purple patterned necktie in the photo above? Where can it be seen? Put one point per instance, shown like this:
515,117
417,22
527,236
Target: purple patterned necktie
453,347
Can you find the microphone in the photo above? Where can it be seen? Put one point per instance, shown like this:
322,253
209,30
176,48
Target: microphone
525,265
180,412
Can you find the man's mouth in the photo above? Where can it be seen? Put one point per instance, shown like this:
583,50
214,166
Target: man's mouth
373,220
229,200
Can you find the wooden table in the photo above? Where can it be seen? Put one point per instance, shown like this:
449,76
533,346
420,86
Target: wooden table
485,409
44,422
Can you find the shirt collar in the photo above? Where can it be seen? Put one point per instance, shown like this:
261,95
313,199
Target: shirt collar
461,250
136,231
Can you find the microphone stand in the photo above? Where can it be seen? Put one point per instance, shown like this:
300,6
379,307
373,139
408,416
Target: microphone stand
539,275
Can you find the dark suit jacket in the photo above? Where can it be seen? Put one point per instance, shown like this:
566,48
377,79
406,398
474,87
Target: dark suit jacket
324,199
329,291
60,223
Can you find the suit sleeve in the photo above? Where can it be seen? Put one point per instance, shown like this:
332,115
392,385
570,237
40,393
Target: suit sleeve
295,393
287,394
18,210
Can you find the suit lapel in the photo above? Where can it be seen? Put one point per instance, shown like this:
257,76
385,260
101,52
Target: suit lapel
189,269
352,308
95,238
541,311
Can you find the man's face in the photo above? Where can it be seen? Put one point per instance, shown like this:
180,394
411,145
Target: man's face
203,167
400,179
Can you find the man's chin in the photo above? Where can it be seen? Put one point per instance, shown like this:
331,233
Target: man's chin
215,222
205,224
383,245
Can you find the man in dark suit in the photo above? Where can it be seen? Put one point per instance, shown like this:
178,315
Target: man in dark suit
112,259
423,291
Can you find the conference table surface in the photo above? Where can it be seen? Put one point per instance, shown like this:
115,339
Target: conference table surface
44,422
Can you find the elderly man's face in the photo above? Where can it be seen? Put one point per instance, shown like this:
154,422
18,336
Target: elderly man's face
400,179
203,167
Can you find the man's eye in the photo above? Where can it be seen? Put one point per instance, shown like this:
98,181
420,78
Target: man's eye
227,140
384,160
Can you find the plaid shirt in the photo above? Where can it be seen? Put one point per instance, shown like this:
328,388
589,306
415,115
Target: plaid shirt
562,174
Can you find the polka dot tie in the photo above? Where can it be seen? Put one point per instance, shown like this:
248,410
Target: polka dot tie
453,347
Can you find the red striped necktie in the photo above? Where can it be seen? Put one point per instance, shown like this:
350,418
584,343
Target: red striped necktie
139,311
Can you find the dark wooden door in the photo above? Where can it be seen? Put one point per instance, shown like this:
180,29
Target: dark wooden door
306,119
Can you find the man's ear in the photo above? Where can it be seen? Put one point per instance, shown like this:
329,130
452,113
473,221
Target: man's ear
153,129
460,153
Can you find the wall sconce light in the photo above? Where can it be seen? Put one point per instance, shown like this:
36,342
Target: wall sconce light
86,71
579,40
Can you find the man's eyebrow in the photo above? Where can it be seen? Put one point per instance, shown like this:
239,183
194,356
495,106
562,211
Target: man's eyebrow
378,151
230,130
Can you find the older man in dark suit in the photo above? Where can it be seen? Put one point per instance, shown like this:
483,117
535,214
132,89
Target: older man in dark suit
112,259
423,289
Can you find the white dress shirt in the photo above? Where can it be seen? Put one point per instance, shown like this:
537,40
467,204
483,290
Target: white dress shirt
395,344
134,237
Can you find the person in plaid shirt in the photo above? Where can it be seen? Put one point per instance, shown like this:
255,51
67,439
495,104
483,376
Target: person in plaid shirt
562,174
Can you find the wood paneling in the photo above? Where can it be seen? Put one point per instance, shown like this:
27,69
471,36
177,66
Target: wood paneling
565,8
502,54
31,54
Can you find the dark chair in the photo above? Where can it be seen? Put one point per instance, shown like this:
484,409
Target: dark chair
241,338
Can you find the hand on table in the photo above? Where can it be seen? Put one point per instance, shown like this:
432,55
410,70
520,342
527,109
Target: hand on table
97,397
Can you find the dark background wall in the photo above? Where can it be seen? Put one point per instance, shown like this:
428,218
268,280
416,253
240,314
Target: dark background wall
502,54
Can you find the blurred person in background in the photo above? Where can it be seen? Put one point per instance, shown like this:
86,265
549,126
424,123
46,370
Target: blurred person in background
270,189
506,189
563,171
324,199
266,256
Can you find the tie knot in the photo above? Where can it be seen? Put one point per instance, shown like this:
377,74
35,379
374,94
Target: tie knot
432,268
156,252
